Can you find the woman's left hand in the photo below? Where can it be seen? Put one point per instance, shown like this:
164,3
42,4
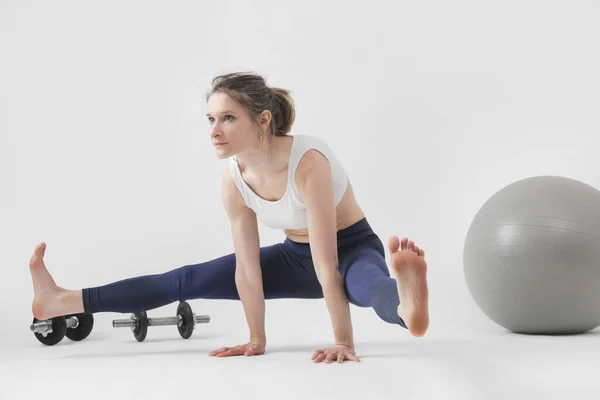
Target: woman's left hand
337,353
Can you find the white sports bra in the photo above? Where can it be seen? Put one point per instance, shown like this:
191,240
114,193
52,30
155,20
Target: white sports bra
289,212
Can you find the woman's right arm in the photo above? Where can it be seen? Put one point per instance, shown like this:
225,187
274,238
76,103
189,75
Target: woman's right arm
248,272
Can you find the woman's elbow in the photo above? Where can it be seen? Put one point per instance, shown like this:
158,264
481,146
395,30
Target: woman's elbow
245,274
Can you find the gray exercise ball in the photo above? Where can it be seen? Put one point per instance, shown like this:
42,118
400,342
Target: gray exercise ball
532,256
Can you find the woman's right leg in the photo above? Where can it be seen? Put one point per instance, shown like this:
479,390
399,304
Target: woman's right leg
285,275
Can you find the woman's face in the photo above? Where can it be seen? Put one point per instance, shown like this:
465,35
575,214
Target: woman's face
232,129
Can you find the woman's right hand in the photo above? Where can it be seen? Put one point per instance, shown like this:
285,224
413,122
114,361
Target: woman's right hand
249,349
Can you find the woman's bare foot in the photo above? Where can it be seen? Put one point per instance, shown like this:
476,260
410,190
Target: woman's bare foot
410,270
49,299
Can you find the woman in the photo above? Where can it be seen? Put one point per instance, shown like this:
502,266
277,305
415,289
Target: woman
290,182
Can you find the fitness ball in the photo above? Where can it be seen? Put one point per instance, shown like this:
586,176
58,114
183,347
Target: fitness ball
532,257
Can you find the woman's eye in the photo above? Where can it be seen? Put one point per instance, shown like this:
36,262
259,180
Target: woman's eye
231,117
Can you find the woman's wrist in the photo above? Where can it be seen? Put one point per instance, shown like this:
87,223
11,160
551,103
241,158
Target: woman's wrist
258,339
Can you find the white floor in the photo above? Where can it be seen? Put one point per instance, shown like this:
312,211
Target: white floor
490,364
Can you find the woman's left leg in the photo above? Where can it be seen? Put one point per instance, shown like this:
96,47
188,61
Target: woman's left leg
368,282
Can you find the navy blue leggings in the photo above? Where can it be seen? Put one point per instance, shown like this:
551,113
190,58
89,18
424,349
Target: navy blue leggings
287,272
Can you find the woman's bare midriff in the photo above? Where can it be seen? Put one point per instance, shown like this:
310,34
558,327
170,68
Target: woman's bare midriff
347,214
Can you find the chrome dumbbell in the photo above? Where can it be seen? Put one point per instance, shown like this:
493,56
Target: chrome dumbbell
51,331
185,321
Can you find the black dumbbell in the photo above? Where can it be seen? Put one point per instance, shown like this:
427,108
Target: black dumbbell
51,331
185,321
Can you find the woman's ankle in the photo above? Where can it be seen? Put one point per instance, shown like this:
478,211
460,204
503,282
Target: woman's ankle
71,301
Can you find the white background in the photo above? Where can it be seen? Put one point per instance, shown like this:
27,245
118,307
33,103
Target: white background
431,106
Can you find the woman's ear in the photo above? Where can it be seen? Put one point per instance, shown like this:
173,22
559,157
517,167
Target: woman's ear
264,119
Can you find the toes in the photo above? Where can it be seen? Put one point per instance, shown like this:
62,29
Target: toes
403,243
393,244
40,249
420,252
38,254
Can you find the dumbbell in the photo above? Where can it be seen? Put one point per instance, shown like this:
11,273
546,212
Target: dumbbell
185,321
51,331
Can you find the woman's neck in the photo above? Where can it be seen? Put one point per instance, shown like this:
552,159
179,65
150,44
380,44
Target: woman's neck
265,161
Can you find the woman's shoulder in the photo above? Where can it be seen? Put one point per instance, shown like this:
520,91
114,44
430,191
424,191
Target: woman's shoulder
310,141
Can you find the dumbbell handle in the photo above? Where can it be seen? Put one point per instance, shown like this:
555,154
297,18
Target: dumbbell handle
130,323
46,325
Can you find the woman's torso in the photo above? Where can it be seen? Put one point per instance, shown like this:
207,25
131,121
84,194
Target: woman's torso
348,211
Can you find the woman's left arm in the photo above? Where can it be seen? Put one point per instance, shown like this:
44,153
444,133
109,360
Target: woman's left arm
315,186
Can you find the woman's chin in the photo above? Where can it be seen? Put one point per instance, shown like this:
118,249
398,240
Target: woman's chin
222,155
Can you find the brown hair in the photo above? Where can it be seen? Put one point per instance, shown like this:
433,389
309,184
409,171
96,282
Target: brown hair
252,92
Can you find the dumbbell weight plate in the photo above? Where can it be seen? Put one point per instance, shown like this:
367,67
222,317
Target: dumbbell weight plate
187,316
59,329
83,330
141,328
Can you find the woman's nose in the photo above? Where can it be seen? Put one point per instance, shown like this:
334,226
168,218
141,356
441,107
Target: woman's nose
215,130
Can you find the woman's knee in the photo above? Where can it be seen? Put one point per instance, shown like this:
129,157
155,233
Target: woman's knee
367,278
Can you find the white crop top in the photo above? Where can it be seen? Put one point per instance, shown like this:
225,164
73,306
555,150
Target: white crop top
289,212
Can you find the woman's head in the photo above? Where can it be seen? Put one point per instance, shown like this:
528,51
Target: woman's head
243,111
